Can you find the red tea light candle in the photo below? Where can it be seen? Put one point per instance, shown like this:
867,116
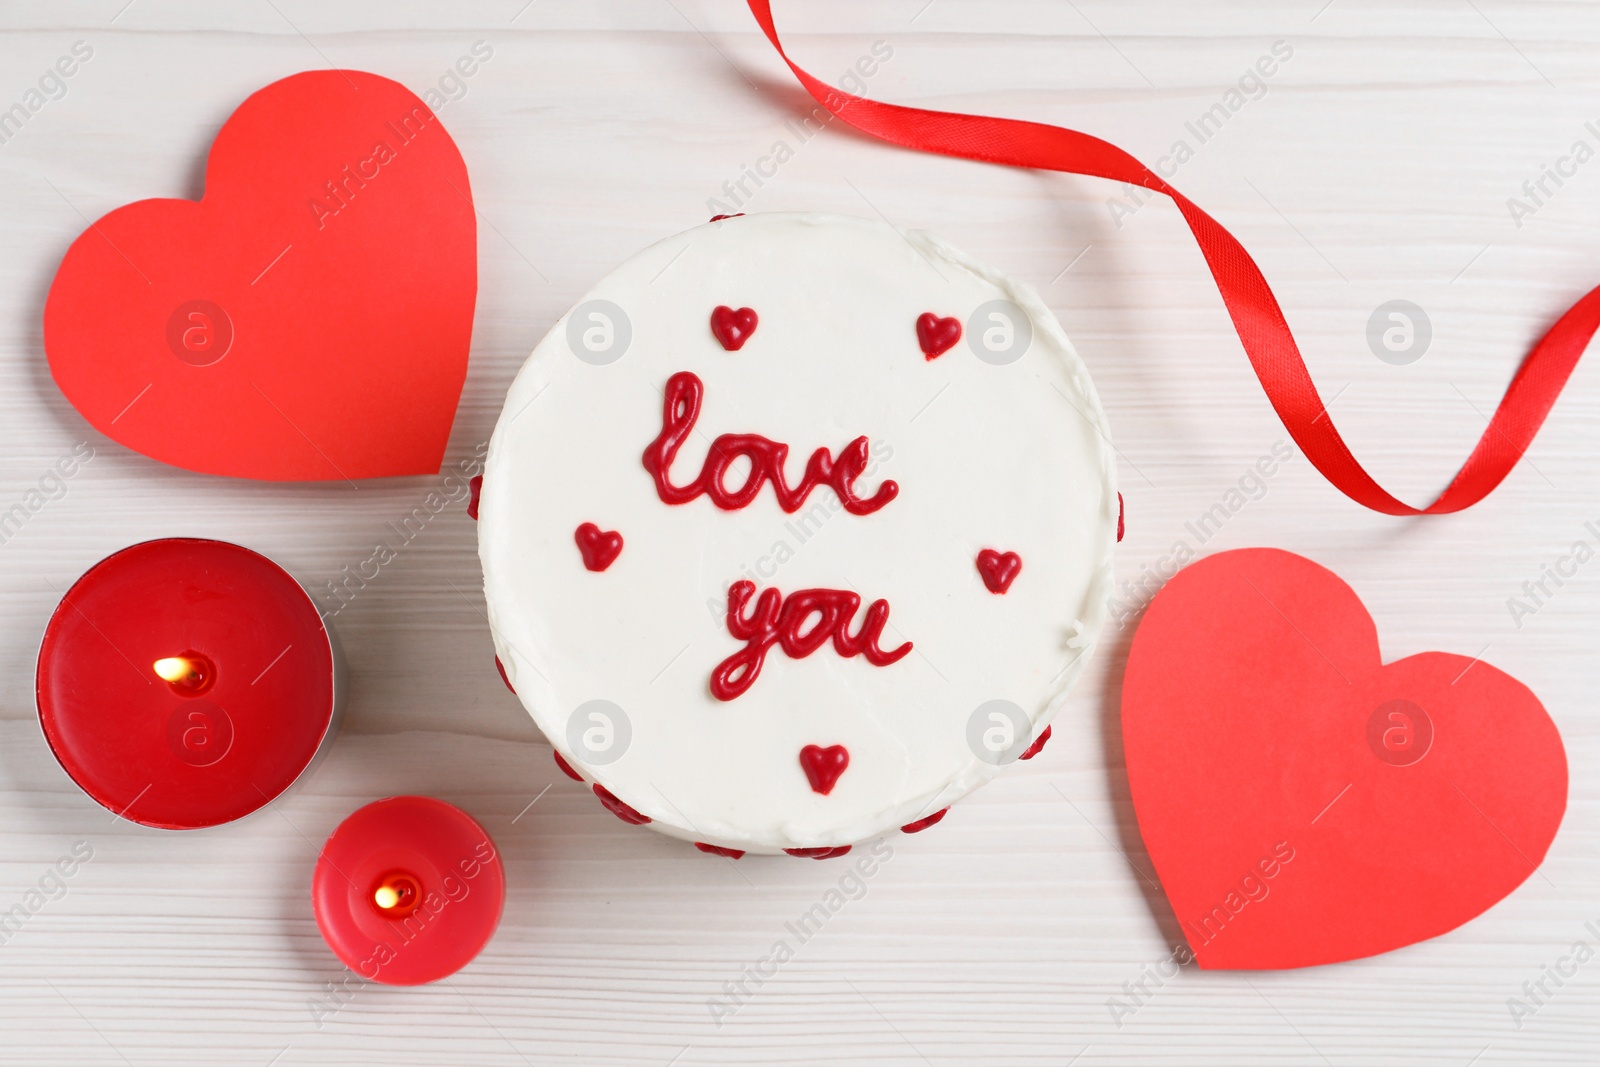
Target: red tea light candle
408,890
185,683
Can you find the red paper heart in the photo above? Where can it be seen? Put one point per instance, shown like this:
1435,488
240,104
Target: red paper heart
600,548
999,569
1302,801
937,336
733,328
308,319
823,766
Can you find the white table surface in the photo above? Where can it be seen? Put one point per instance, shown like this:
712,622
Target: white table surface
1377,166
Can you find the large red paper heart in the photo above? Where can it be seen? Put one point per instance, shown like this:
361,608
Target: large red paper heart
1302,801
308,319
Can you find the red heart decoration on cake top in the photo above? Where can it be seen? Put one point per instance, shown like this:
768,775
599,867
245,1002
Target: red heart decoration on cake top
937,336
999,569
1303,802
308,319
600,548
733,328
823,766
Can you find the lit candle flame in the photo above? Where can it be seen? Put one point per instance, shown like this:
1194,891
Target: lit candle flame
174,668
396,895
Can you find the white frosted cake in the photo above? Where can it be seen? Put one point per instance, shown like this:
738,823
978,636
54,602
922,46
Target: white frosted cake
796,530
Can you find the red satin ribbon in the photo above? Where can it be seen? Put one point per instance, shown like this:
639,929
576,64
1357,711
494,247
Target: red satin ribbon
1254,310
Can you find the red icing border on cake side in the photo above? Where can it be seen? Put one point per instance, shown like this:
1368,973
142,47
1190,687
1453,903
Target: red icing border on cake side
566,768
925,822
618,808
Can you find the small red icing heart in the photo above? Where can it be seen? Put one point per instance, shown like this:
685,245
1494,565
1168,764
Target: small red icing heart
600,548
618,808
1304,802
501,667
733,328
823,766
825,853
308,318
718,850
475,487
999,569
937,336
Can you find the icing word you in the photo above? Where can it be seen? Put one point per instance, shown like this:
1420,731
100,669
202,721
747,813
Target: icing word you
776,620
681,410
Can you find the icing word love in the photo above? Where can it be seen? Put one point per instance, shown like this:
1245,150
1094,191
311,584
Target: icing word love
776,620
680,411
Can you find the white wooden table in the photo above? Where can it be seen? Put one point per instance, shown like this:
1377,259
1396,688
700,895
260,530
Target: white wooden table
1377,165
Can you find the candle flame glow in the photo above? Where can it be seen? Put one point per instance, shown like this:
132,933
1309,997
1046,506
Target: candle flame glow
174,668
396,895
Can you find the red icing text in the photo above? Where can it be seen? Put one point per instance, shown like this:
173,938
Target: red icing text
783,622
679,414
